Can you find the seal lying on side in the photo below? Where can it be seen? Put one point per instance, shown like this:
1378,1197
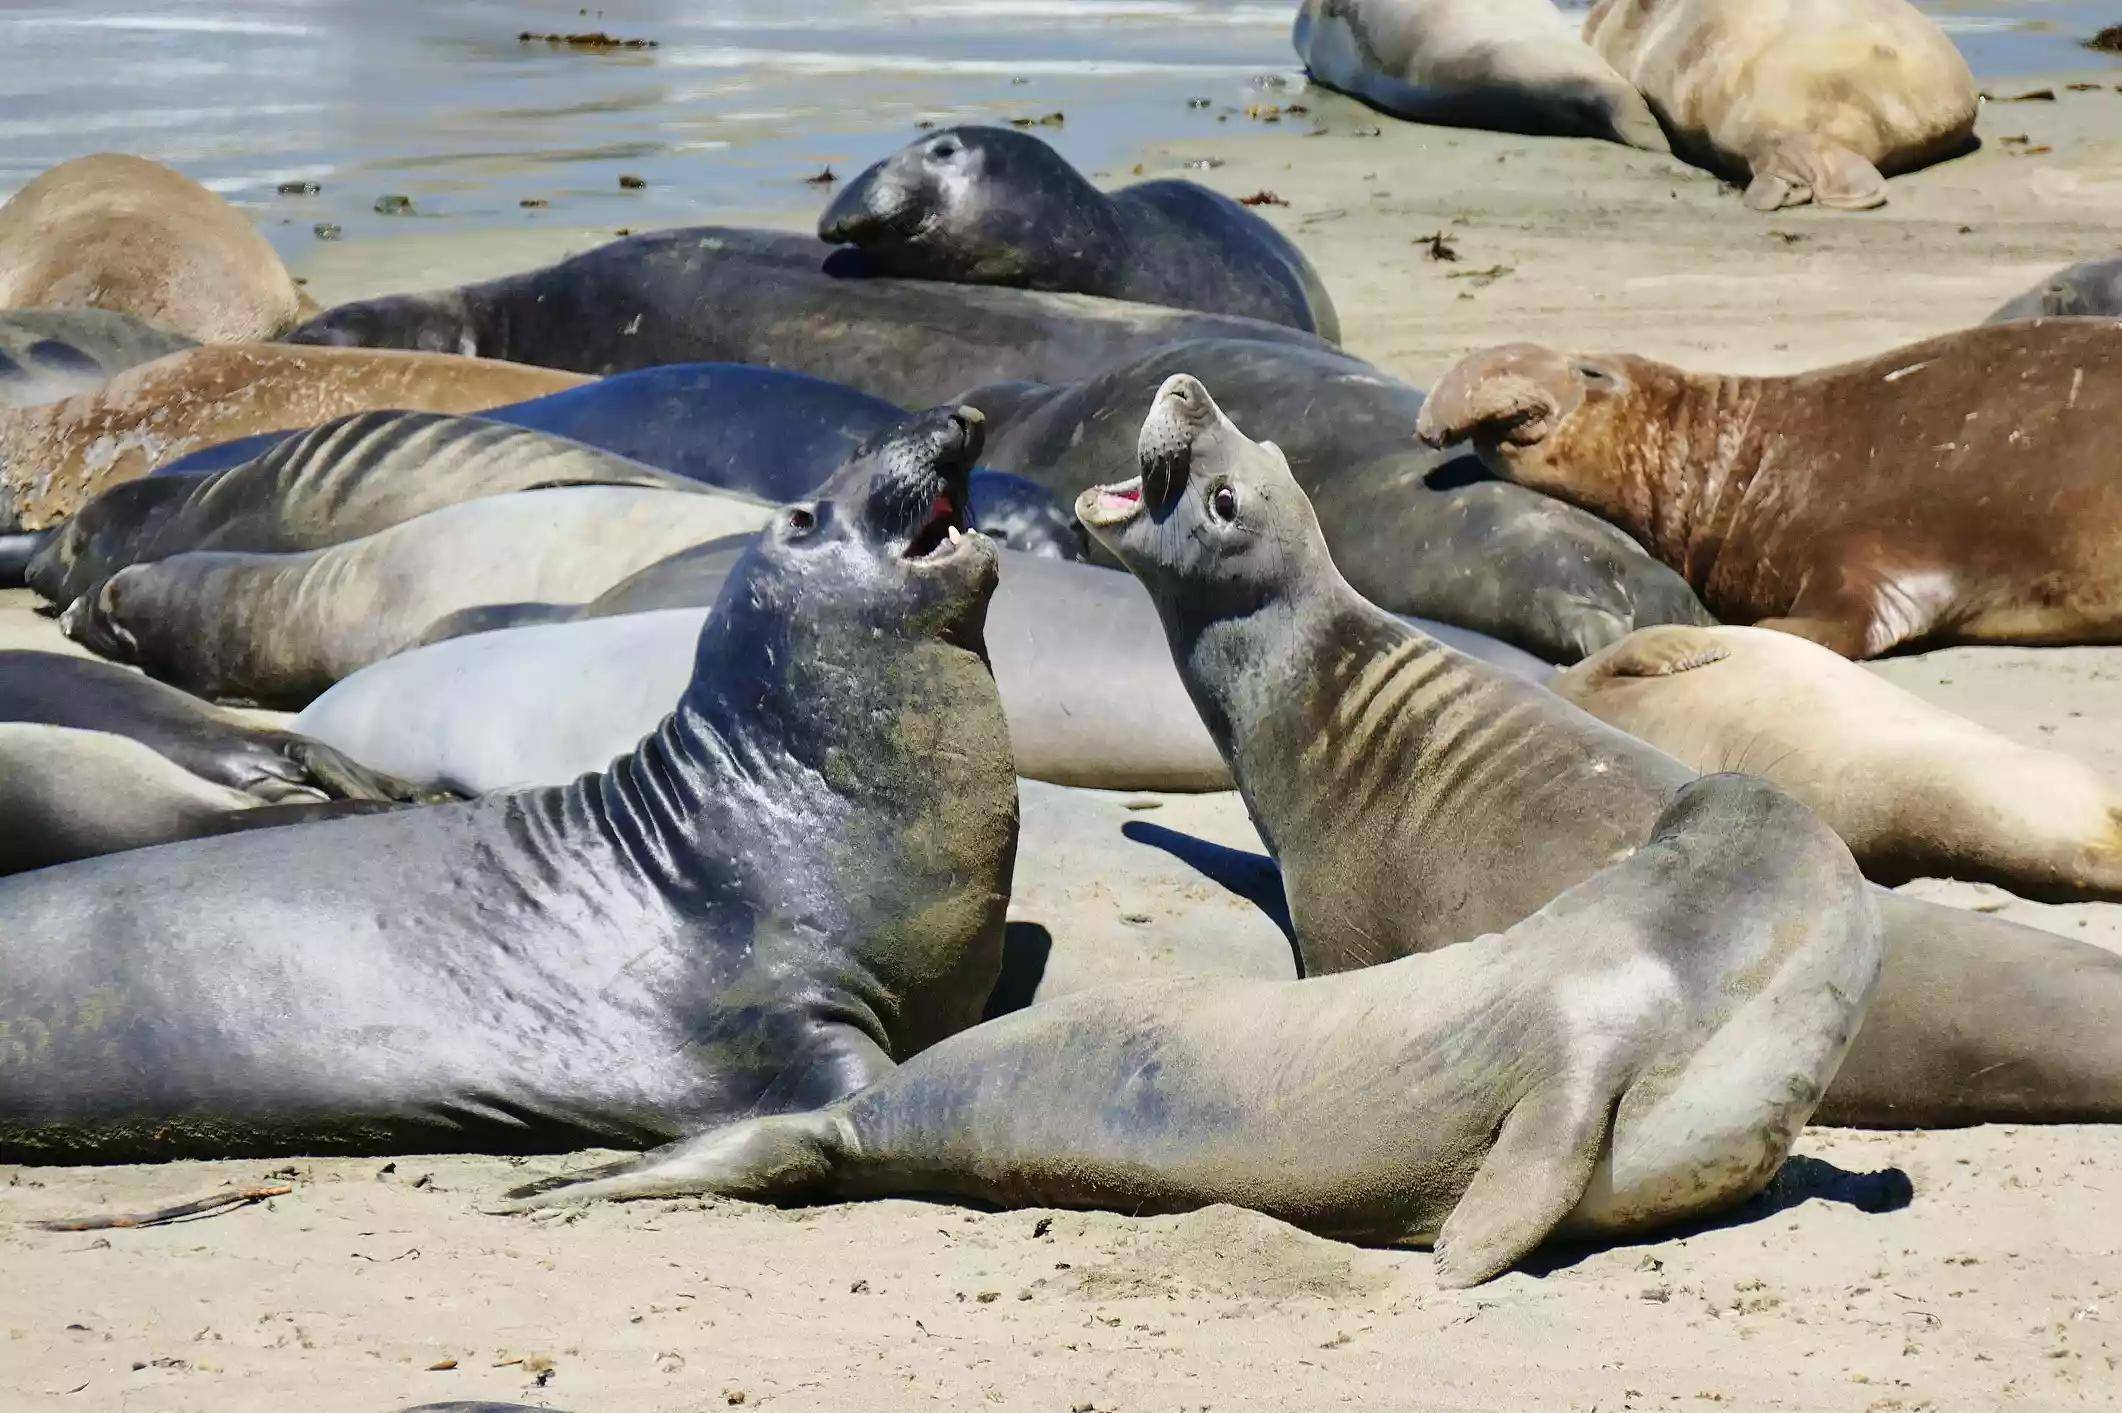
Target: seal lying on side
1641,1051
47,354
126,234
1509,65
728,295
277,629
55,456
1415,798
989,206
338,482
217,746
1488,556
1915,792
1805,100
796,879
1963,489
69,794
2090,289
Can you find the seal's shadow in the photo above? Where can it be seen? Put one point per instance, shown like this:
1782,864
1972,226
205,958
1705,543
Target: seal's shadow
1251,876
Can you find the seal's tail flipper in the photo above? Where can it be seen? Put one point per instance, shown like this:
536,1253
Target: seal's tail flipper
342,777
785,1155
16,552
1816,169
1533,1177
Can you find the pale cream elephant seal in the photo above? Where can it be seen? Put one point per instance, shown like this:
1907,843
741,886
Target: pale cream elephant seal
1915,791
123,233
1807,100
1507,65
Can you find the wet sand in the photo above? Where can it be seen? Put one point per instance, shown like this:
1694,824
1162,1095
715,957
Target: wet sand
1887,1271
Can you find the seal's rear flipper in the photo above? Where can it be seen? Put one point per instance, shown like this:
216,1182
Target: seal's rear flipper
1663,650
785,1155
1816,169
16,552
1533,1177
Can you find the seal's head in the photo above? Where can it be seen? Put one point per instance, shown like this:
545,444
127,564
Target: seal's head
974,205
104,535
441,321
1214,521
1539,417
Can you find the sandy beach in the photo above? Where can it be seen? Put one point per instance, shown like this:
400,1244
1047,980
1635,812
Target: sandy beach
1884,1271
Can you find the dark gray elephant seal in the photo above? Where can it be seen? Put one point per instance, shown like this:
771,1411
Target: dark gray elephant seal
798,878
270,765
48,354
1415,798
68,794
989,206
724,294
1488,556
2089,289
338,482
1641,1051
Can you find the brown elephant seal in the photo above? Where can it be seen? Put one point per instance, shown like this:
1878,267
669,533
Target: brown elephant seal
278,629
55,456
48,354
1507,65
796,879
1963,489
348,478
1915,791
1803,100
2091,289
122,233
1415,798
1641,1051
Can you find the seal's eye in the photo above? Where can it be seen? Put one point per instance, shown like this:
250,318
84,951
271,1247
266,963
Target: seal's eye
801,521
943,149
1591,374
1223,504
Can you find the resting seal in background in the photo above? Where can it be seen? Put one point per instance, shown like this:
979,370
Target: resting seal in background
1963,489
988,206
1508,65
720,294
2089,289
1415,798
1806,100
48,354
796,879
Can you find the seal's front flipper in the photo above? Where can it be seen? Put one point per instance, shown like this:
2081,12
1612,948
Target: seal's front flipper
1816,169
342,777
1663,650
1533,1177
785,1155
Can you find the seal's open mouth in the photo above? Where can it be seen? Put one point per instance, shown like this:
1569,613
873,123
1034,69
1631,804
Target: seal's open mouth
1107,507
941,533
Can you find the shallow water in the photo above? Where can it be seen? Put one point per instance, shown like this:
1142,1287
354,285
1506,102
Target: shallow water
740,102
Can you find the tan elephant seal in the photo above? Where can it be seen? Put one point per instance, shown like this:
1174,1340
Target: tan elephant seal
56,456
1806,100
1508,65
1915,791
1963,489
123,233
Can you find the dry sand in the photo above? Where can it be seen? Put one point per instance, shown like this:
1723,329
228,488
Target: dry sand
1887,1271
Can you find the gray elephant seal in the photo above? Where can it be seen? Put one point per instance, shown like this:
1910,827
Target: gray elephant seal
272,766
1487,556
2089,289
989,206
1415,798
796,879
1509,65
48,354
338,482
1915,792
278,629
1641,1051
69,795
126,234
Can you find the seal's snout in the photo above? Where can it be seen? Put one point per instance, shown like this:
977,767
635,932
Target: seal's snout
1491,395
1165,449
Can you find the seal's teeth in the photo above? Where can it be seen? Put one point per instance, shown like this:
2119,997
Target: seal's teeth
954,535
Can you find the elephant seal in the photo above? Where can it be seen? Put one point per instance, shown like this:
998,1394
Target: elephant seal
1802,100
990,206
1961,489
70,794
278,629
338,482
796,879
1640,1052
1415,798
55,456
48,354
2089,289
220,747
1914,791
122,233
1506,65
729,295
1487,556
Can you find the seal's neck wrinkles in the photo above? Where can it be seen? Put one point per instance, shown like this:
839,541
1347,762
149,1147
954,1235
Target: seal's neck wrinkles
1684,471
